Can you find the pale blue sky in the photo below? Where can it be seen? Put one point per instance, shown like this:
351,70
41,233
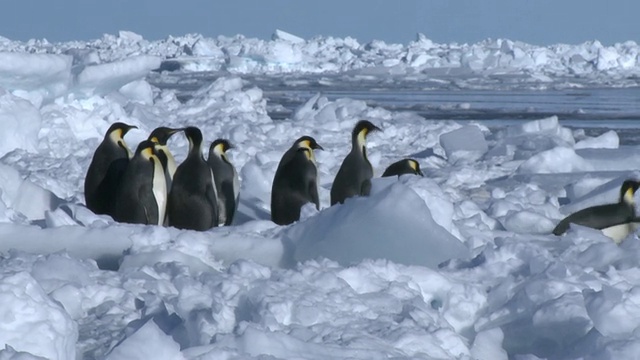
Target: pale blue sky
535,21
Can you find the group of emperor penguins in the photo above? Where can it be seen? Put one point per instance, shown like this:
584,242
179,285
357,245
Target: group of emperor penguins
148,188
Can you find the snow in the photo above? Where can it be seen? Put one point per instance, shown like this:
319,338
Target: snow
459,264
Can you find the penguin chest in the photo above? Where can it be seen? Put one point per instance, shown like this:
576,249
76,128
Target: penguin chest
621,231
160,191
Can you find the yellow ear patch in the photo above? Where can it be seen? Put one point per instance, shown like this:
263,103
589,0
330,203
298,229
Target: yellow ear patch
628,196
305,144
362,137
413,165
147,153
155,140
219,149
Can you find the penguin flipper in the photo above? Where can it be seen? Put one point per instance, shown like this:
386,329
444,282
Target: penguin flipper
313,192
149,205
365,189
229,203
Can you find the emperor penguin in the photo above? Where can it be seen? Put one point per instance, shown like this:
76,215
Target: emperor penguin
355,173
226,178
404,166
160,136
193,200
106,168
142,195
295,181
615,220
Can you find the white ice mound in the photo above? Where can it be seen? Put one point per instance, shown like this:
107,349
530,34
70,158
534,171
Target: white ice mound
104,78
608,140
32,322
530,138
394,224
149,342
20,122
466,142
47,73
557,160
614,313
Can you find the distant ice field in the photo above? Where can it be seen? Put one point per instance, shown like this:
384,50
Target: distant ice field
503,103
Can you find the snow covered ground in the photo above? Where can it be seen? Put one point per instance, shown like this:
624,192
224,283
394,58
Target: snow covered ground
459,264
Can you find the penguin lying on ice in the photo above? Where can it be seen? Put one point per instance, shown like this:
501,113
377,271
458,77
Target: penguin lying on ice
404,166
616,221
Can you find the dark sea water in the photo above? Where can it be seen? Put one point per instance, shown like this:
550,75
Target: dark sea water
494,101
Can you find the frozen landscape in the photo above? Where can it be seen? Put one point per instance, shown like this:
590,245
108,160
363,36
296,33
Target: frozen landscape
458,264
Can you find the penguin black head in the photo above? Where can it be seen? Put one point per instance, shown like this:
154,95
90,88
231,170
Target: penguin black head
220,146
308,142
194,135
146,149
361,130
118,130
162,134
404,166
627,191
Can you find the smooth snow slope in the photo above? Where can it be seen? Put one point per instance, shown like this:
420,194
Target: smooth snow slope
459,264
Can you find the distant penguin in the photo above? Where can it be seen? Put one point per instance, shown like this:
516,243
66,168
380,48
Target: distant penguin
615,220
295,182
404,166
354,176
226,178
193,201
160,136
142,195
106,168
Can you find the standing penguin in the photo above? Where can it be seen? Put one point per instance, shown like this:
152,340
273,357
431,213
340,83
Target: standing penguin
226,178
295,182
105,171
160,136
354,176
142,195
192,200
404,166
615,220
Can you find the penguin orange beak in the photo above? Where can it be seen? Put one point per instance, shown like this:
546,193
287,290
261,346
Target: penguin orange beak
317,147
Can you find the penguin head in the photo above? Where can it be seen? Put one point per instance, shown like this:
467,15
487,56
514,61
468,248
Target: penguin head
360,132
162,134
308,142
146,150
219,148
116,134
415,166
627,191
194,135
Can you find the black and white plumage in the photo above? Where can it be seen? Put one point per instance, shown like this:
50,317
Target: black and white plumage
355,173
106,169
295,181
616,221
160,136
142,195
192,199
404,166
226,179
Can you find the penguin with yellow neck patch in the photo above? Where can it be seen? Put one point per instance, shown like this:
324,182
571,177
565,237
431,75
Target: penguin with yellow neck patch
159,137
106,169
226,178
404,166
355,173
295,182
616,221
193,200
142,196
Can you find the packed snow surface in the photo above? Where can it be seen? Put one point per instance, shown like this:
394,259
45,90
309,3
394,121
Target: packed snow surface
459,264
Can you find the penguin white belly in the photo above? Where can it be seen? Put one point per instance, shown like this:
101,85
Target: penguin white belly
160,191
621,231
236,186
